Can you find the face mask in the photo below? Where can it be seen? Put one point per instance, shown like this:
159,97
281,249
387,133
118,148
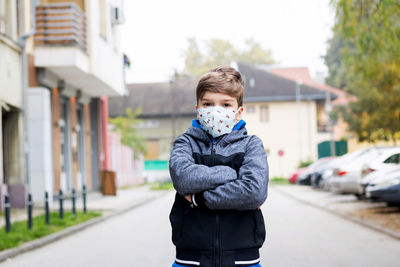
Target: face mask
217,120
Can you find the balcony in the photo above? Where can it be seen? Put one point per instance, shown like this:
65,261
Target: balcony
60,25
61,47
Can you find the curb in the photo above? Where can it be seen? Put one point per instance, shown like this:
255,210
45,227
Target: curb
343,215
9,253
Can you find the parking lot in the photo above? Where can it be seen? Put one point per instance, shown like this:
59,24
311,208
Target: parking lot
376,215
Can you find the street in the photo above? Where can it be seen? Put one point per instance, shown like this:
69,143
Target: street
297,235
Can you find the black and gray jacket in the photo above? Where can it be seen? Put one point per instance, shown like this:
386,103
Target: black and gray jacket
228,180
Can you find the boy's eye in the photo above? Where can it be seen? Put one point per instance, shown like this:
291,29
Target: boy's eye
207,104
227,105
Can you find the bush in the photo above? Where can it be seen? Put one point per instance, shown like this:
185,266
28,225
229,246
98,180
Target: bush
304,164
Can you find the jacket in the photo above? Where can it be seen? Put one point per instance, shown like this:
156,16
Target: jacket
228,180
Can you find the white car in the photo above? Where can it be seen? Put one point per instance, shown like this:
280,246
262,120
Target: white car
334,164
388,161
378,175
347,177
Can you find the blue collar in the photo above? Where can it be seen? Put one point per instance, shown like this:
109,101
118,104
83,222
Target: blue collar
238,126
241,124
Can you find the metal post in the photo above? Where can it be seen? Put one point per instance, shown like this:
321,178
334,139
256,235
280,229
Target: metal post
328,109
30,211
73,201
298,104
46,206
7,213
84,198
61,198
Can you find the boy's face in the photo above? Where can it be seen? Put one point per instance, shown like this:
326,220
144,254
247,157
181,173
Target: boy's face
211,99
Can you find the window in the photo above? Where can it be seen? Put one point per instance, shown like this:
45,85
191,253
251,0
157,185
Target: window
264,113
250,109
9,18
393,159
252,83
103,18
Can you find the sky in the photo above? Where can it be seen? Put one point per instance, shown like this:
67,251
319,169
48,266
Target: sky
155,32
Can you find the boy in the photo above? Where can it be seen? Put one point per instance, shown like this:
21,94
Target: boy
221,178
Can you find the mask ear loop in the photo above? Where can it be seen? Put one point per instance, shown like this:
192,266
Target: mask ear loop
236,112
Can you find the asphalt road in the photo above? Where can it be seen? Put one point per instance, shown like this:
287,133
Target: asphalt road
297,235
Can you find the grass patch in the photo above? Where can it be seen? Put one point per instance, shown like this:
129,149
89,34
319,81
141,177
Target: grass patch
278,181
126,187
162,186
21,234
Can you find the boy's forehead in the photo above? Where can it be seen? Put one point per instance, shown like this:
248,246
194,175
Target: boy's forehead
217,96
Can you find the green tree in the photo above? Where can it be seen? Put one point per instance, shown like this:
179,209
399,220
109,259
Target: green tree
222,52
125,126
370,60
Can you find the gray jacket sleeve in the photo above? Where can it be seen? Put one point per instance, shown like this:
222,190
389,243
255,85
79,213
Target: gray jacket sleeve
249,191
190,178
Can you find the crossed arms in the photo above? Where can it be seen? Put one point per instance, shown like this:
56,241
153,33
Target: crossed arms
221,187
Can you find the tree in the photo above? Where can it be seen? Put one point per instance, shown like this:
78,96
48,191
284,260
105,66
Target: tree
222,52
370,65
125,126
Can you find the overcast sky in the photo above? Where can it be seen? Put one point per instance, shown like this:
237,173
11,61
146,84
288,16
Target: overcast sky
155,32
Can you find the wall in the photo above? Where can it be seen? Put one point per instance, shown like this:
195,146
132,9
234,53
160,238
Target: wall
40,144
129,171
10,73
290,128
104,52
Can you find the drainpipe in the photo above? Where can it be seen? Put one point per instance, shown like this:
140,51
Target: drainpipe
22,44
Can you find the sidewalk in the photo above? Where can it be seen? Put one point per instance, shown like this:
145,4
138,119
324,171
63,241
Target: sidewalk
110,206
374,215
96,201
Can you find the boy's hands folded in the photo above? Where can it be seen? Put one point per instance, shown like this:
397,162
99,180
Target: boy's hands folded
189,198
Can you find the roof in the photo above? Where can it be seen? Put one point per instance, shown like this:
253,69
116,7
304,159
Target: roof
156,99
166,99
303,74
263,86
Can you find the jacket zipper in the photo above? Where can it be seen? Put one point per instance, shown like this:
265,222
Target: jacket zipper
217,254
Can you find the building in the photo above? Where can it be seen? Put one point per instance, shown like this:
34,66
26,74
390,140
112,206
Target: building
167,110
12,174
285,115
75,45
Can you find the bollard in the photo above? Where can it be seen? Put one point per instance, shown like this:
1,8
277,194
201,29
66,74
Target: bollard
30,211
60,197
7,213
84,199
73,201
46,207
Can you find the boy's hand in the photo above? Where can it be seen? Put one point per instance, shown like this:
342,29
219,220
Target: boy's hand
189,198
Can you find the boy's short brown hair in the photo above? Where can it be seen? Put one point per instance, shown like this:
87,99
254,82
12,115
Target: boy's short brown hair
223,79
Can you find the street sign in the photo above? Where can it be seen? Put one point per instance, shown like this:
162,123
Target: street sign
281,153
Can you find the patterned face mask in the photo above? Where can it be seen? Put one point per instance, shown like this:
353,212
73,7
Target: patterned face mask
217,120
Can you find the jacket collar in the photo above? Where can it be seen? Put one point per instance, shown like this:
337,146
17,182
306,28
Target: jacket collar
239,132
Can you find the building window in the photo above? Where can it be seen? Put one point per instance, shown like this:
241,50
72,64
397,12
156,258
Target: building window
103,18
250,109
264,113
252,83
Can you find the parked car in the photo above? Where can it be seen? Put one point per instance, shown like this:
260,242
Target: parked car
304,178
328,172
346,177
388,158
386,189
378,175
316,176
295,175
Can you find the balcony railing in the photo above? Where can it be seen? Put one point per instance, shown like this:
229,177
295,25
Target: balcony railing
61,24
